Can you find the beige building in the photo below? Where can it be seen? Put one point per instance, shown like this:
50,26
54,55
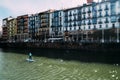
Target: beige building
12,29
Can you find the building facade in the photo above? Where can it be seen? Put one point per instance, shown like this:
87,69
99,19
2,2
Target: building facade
5,34
73,24
12,29
57,24
44,29
22,28
34,25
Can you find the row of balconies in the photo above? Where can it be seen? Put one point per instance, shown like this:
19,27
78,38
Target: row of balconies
56,26
89,17
99,22
89,11
106,15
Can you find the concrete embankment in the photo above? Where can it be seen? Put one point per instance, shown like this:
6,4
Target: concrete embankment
88,52
65,45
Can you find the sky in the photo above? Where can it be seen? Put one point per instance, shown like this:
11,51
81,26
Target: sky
16,8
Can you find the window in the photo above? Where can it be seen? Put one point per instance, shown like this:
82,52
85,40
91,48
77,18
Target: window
88,27
106,13
113,25
100,14
70,28
100,26
74,28
79,28
60,13
94,27
60,29
113,10
106,25
84,28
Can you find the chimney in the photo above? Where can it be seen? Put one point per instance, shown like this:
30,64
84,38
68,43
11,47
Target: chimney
89,1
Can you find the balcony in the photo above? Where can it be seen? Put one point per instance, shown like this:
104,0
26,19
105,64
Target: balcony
79,19
100,16
83,12
100,9
89,23
70,20
70,14
75,19
83,23
53,26
100,22
89,17
74,14
74,24
66,15
94,17
89,11
79,13
106,8
94,22
70,25
83,18
79,24
113,14
106,21
106,15
66,21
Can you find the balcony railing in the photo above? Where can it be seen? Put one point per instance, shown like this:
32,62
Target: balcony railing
94,17
89,17
70,20
106,8
89,11
83,23
106,15
74,25
89,23
100,22
83,12
100,16
79,19
94,22
66,15
70,14
100,9
75,19
83,18
106,21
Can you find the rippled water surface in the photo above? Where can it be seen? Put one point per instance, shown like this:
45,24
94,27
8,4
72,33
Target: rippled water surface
13,66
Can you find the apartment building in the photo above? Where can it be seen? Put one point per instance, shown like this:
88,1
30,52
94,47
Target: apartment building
44,29
22,28
5,24
34,25
57,24
12,29
72,24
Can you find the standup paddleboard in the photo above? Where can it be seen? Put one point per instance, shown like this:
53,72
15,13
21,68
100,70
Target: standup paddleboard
30,60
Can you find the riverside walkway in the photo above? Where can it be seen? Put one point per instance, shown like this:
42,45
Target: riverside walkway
13,66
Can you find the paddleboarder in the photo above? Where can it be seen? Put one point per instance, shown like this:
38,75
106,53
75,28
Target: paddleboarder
30,56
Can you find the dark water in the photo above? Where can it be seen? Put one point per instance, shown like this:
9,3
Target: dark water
56,65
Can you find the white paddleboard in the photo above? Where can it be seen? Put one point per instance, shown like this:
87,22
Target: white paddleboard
30,60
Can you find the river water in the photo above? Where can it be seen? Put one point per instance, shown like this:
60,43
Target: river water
13,66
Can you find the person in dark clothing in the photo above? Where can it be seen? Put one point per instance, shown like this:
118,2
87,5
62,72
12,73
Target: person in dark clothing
30,56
